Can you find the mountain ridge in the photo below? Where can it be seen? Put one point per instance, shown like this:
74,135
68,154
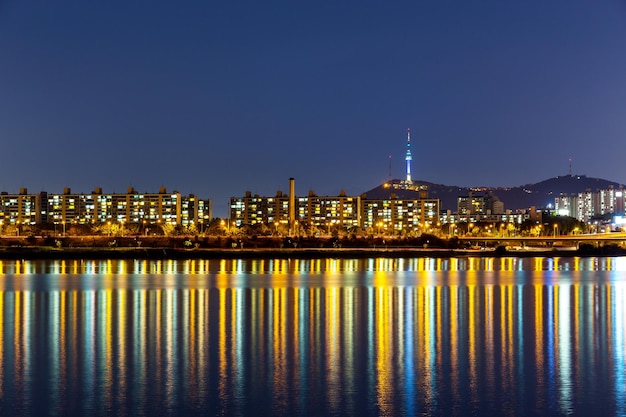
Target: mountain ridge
539,195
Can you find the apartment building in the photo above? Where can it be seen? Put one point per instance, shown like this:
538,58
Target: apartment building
253,209
98,207
390,215
21,208
588,204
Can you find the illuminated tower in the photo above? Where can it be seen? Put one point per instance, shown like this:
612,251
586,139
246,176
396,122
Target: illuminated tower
408,157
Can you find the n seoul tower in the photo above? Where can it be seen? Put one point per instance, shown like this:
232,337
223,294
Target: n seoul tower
408,157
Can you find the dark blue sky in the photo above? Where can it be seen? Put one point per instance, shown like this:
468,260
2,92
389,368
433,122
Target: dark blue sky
216,98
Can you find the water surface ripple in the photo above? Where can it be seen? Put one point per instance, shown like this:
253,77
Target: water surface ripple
389,337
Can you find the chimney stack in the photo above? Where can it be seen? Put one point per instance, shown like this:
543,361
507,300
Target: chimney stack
292,204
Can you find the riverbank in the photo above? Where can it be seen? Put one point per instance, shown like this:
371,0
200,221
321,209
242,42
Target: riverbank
38,252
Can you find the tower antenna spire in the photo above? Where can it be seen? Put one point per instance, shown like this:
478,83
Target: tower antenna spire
570,166
390,178
408,156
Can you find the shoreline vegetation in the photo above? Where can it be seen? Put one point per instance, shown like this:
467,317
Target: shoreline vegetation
97,247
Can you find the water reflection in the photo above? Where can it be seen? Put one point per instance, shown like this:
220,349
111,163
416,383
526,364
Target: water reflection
284,267
367,337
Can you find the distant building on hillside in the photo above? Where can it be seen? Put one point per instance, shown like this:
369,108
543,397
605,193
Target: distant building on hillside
586,205
473,207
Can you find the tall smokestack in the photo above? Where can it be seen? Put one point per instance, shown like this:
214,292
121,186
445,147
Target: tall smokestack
292,204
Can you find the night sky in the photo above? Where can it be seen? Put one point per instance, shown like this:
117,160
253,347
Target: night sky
219,97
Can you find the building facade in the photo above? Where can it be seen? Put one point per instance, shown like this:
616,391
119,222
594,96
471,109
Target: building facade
475,206
589,204
390,215
22,208
253,209
97,208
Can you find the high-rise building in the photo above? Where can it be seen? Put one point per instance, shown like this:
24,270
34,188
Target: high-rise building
471,206
586,205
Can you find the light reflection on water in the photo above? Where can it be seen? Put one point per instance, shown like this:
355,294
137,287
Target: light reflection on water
462,336
300,267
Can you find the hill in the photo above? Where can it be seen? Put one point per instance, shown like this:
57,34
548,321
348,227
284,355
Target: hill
539,195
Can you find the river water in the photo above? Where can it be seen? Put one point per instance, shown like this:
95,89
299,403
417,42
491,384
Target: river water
441,337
